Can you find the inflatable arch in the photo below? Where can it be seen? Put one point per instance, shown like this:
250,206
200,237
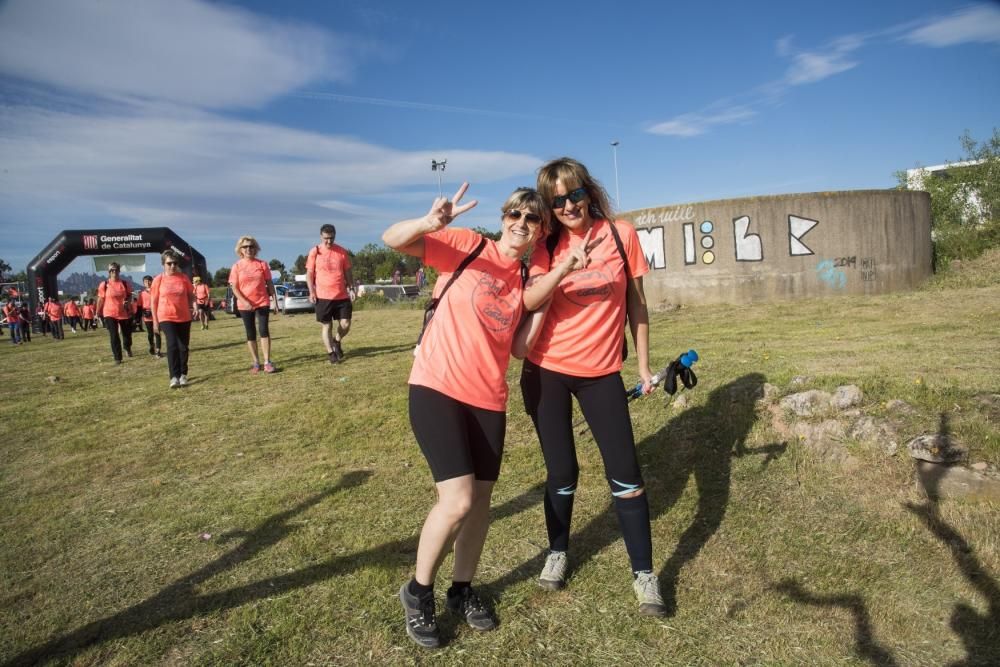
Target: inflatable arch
72,243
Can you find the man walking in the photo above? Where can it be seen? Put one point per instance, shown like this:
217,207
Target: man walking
328,272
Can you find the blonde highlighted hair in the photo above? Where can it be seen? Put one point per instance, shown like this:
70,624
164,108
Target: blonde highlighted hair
530,199
574,175
245,240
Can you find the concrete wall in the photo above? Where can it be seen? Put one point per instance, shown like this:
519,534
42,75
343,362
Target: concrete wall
785,246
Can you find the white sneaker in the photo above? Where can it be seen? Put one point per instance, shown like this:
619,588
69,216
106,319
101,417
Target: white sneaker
647,591
182,380
553,575
174,383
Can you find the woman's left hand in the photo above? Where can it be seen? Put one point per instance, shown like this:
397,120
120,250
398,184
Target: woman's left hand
647,381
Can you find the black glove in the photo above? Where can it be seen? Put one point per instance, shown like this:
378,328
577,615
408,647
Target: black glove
677,369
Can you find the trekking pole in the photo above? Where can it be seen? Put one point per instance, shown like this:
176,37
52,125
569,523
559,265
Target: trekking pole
678,368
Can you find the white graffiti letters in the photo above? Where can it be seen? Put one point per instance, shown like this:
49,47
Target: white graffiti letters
748,246
653,247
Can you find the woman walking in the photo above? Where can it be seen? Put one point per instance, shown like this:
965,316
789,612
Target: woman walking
587,277
254,290
458,391
172,305
114,304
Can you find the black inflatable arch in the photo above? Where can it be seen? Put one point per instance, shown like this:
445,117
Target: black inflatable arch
44,269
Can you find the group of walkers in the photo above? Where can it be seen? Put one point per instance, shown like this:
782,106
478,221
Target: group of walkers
564,314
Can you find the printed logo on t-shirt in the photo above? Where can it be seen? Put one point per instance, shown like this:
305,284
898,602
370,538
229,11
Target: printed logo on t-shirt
588,286
494,304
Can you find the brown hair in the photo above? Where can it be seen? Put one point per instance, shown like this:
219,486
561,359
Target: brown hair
574,175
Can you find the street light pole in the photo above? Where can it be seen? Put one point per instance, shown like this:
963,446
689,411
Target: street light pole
618,194
438,166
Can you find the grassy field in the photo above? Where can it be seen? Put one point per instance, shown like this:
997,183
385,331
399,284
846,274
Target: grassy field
271,519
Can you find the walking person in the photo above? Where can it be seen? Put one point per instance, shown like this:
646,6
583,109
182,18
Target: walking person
54,314
587,277
328,273
172,301
24,322
87,314
458,391
114,303
203,299
144,303
72,312
12,316
254,291
43,318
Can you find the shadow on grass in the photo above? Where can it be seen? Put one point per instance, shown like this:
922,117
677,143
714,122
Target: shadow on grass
699,442
864,640
179,600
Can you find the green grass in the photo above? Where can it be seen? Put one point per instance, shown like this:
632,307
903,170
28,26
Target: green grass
313,491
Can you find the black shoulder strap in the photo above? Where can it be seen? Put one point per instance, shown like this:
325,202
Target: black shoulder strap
551,241
461,267
524,275
621,247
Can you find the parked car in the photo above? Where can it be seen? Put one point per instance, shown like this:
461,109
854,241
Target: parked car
230,299
297,298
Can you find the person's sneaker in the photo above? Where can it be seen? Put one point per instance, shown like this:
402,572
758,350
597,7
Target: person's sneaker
152,352
421,624
468,605
255,369
128,353
332,356
118,362
183,380
647,590
338,350
553,575
269,367
174,383
159,355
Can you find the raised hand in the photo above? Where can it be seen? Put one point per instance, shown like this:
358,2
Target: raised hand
579,255
444,210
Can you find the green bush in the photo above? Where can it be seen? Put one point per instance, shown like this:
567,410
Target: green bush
371,301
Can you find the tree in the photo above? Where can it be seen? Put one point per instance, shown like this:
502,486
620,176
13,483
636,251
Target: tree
221,278
278,266
299,267
4,268
965,201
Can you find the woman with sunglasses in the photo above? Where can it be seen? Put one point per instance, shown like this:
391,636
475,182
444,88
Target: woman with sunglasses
458,390
114,298
251,281
585,280
172,306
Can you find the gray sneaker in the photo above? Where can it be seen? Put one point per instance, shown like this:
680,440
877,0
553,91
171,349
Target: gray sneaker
174,383
553,575
183,380
647,590
468,605
421,622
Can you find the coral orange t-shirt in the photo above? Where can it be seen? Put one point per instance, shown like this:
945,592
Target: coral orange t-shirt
88,311
114,293
465,350
71,309
10,311
584,328
171,298
329,268
201,293
250,276
145,302
54,310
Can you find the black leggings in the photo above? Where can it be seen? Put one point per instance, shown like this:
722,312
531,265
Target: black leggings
548,401
120,333
153,338
262,315
178,335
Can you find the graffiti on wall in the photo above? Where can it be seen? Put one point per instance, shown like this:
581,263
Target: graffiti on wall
701,238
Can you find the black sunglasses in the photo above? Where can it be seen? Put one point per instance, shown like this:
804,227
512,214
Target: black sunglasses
576,196
531,218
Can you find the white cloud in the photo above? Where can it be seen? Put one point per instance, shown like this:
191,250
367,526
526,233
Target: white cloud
978,23
181,51
693,124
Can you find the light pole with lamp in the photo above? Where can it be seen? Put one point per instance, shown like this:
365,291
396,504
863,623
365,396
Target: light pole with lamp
438,166
618,194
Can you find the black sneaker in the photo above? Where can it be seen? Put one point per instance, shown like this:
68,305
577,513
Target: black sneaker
338,350
128,353
467,604
421,624
333,357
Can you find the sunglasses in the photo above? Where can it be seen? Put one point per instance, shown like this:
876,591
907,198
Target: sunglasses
247,247
530,218
576,196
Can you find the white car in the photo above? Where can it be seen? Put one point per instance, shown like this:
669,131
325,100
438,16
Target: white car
297,299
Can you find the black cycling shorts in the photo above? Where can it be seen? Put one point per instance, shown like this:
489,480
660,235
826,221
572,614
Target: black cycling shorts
328,310
262,314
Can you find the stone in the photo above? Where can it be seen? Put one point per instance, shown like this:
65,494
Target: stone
770,392
955,481
875,433
846,396
52,379
936,448
899,407
981,466
825,438
680,402
807,403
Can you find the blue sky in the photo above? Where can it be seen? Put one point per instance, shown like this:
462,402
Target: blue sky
270,119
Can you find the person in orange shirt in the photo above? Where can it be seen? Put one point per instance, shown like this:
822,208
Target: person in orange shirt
172,307
144,302
254,291
584,281
54,313
114,303
458,391
87,314
72,312
13,319
203,298
328,272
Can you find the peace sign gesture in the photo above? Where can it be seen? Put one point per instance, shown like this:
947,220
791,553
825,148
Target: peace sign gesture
444,210
579,255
